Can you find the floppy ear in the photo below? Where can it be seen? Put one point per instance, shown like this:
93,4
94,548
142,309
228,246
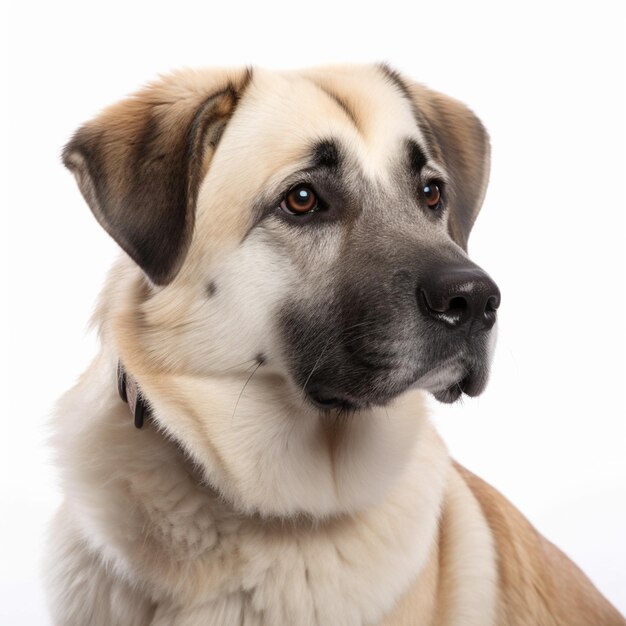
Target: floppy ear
140,163
463,146
457,138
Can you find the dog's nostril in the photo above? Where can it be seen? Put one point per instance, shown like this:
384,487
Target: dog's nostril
492,304
451,311
457,305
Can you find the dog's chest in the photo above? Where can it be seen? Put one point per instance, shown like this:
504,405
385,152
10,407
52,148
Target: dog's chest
203,564
214,568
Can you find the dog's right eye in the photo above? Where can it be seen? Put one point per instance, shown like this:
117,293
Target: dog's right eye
299,201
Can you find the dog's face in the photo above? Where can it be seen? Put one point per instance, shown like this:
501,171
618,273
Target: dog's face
298,252
331,210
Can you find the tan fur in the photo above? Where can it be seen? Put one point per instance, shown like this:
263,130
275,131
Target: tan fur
238,502
538,583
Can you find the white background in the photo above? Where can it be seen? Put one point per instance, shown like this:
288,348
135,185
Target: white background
548,81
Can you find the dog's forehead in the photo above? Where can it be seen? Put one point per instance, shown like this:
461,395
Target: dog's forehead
284,113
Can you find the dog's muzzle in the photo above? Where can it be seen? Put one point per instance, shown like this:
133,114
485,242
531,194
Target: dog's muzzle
428,327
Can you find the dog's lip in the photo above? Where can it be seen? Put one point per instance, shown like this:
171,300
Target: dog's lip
450,394
453,377
470,385
447,381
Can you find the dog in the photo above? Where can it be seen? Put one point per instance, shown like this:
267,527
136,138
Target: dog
250,445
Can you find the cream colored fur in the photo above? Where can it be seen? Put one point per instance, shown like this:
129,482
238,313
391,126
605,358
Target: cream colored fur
139,519
238,503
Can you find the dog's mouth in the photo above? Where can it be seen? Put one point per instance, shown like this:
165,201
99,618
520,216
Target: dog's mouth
470,385
447,382
452,379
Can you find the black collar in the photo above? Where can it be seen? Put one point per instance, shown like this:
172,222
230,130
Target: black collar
130,393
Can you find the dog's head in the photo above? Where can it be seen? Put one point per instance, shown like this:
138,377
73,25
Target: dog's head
309,227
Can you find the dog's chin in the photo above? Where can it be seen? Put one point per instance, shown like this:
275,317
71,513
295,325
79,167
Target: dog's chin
326,402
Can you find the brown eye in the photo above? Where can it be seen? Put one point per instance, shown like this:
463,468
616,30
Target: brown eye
300,200
432,193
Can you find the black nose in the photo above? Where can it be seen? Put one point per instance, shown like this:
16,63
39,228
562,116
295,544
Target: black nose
460,297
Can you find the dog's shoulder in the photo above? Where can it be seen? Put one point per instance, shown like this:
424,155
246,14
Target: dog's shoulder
538,584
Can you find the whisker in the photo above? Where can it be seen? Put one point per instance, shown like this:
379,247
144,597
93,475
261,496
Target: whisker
244,387
319,358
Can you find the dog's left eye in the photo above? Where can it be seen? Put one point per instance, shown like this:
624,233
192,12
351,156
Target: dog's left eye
432,194
299,201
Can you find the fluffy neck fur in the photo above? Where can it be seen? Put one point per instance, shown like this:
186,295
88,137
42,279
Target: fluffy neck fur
266,516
